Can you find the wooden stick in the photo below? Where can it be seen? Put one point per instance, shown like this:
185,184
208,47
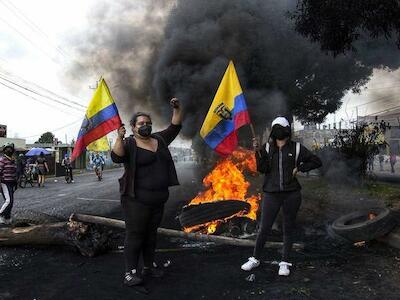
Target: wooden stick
254,136
186,235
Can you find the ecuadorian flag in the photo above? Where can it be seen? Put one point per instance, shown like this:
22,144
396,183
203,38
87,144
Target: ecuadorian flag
228,112
101,118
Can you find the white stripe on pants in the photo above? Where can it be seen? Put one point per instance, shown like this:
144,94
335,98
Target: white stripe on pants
7,197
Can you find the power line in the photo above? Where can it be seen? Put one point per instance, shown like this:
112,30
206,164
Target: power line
30,41
54,130
18,13
39,94
376,100
34,98
385,110
7,74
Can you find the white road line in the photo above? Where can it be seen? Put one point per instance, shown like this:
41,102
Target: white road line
97,199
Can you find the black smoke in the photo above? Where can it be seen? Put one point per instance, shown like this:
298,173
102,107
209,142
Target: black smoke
161,49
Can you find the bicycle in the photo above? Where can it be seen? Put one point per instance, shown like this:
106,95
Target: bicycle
68,178
99,173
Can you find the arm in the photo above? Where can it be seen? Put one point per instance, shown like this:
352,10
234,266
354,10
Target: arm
119,151
307,160
172,131
46,166
262,160
177,112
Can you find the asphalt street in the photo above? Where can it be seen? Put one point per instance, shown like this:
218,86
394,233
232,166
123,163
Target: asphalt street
90,196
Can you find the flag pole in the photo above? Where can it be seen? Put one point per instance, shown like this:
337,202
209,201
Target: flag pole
254,136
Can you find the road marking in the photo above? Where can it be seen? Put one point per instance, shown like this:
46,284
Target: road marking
97,199
61,195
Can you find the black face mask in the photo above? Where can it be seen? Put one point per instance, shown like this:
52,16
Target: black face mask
280,133
145,130
8,152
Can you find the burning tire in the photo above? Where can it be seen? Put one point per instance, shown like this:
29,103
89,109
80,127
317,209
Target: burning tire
364,225
202,213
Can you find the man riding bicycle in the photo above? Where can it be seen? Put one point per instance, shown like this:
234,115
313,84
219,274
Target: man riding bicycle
67,164
98,163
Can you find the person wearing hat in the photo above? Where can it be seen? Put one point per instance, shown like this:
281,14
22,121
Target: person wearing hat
280,159
149,172
8,182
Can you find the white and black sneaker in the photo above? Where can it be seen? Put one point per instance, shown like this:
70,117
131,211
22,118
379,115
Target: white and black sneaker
131,278
250,264
152,271
284,268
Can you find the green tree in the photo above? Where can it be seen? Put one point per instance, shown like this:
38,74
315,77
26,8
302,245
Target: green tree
46,137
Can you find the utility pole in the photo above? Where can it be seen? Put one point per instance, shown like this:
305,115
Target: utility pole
356,116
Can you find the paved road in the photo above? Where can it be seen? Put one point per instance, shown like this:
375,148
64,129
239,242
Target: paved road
88,195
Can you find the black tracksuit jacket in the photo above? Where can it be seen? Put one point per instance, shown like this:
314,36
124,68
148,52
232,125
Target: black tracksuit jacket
278,165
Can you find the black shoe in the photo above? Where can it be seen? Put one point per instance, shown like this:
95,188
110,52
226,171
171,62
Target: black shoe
153,272
132,279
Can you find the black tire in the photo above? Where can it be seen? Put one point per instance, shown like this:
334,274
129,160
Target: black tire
199,214
356,226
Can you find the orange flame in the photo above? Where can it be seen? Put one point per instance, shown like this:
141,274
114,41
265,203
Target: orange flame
226,182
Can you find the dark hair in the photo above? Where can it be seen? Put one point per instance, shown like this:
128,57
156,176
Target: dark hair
137,115
41,153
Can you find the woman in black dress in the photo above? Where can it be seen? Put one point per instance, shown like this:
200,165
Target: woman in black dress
149,172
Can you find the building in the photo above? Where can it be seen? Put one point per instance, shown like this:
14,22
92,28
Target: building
313,136
58,152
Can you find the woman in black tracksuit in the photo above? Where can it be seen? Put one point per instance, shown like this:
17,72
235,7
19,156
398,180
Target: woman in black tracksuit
280,160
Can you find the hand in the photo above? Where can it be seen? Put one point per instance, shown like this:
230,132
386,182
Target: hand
295,171
122,132
256,144
175,103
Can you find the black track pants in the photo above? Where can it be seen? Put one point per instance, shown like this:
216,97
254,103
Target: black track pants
7,189
141,222
272,202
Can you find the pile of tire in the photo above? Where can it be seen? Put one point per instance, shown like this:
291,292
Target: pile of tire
358,226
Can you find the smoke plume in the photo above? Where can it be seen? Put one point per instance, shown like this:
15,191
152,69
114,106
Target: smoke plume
153,50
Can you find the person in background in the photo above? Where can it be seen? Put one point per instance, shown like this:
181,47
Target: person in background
280,159
8,182
67,164
144,188
392,160
98,163
41,168
20,168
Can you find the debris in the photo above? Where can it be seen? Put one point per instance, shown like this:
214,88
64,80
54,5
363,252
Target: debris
251,278
177,233
359,244
167,264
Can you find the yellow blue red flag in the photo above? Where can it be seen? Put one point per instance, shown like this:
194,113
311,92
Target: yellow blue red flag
101,118
228,112
100,145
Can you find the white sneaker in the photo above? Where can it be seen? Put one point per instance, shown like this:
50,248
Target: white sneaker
284,268
2,220
250,264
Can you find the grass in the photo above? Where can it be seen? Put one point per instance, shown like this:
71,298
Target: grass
320,189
